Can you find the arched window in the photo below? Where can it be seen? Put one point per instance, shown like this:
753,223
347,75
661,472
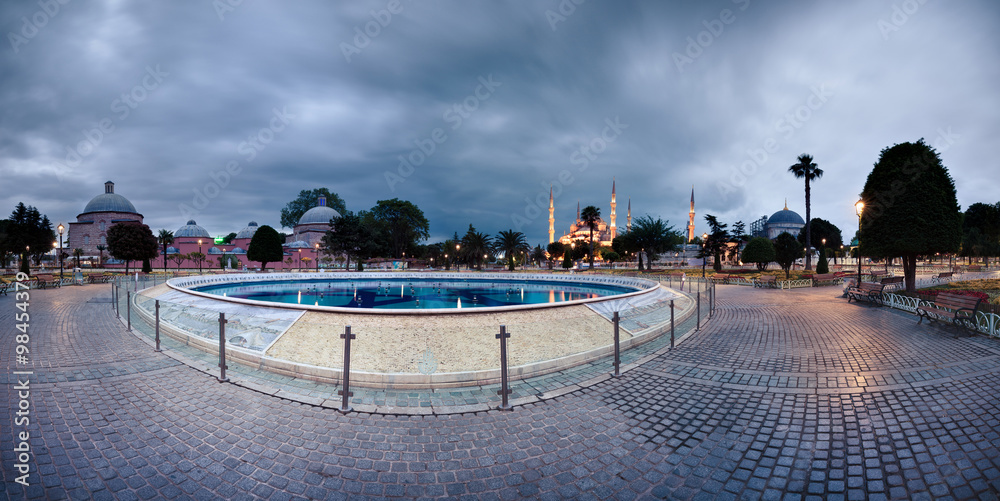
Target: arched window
102,225
103,240
86,240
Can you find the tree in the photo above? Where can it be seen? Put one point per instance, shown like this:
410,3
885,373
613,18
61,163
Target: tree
556,251
739,237
353,235
77,254
567,260
294,210
474,246
265,247
131,241
810,171
511,243
624,245
786,251
652,237
610,256
538,255
179,258
910,207
822,266
981,231
590,216
819,230
402,223
760,251
100,257
165,238
716,243
28,234
228,239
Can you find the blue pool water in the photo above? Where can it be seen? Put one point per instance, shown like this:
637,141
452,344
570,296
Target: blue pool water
414,293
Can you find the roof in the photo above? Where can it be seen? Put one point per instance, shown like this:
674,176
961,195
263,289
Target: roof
786,216
191,229
109,202
319,215
249,231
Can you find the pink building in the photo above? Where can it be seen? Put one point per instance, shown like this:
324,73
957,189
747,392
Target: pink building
102,212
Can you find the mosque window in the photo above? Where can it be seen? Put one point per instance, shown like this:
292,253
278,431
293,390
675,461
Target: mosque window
86,240
102,225
103,240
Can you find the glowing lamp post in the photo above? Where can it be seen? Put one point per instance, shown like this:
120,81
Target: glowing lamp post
704,257
61,229
317,257
859,207
458,266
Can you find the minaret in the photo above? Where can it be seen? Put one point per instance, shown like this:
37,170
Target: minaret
577,210
628,224
613,205
552,218
691,217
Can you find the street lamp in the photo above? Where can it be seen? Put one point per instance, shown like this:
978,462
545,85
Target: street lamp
458,266
859,207
61,229
300,259
446,260
317,257
704,257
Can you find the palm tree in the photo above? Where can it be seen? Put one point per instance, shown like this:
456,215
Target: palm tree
100,251
652,237
808,170
511,243
165,238
474,245
590,216
77,253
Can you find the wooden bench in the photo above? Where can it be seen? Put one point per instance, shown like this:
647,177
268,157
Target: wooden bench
878,273
719,279
766,281
5,286
869,291
941,276
974,268
961,310
46,281
831,278
893,283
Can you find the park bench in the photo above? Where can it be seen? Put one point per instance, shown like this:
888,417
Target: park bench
941,276
46,281
961,310
831,278
719,279
875,274
5,286
869,291
766,281
974,268
893,283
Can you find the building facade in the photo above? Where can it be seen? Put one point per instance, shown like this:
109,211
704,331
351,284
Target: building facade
100,214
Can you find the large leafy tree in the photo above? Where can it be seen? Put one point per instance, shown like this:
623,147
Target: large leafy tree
759,251
625,246
165,238
538,255
354,235
511,243
590,216
981,231
651,237
555,251
473,246
786,251
716,242
808,170
132,241
306,200
910,207
739,237
265,247
819,230
28,234
402,223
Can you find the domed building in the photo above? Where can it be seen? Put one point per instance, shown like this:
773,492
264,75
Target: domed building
779,222
102,212
313,225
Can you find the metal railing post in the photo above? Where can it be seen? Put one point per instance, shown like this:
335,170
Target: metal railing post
128,309
671,324
222,348
697,326
504,390
345,391
615,318
157,326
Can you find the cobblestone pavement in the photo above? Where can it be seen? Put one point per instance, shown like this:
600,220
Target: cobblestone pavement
784,395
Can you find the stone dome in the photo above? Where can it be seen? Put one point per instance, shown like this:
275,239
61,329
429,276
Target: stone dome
109,201
191,229
786,216
321,214
249,231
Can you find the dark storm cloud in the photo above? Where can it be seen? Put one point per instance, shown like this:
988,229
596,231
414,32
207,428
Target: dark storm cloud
224,115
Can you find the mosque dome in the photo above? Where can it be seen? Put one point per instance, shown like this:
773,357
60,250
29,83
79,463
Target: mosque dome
191,229
321,214
249,231
785,216
109,201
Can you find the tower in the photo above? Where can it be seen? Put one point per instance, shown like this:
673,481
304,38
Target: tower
613,205
552,218
577,210
628,223
691,217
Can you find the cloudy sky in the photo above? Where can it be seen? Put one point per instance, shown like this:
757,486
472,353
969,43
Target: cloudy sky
471,110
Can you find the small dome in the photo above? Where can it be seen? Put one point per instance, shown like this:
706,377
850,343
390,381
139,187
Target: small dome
172,250
321,214
248,231
214,250
191,229
298,244
785,216
237,250
109,201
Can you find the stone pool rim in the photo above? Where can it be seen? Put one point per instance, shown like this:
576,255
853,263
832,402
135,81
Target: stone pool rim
184,284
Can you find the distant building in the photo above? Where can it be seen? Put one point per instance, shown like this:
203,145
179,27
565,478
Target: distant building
604,232
779,222
100,214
